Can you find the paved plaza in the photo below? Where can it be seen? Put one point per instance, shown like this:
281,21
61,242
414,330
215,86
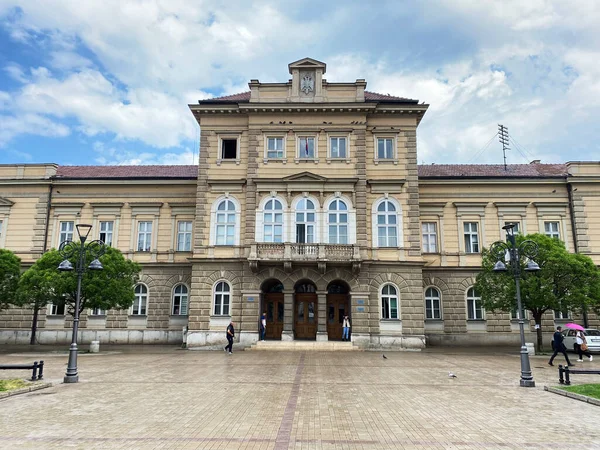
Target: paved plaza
167,398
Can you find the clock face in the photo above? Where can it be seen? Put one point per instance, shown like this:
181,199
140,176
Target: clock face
307,83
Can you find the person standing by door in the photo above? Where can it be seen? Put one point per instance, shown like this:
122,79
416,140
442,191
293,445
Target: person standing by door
345,328
559,346
230,335
263,326
581,346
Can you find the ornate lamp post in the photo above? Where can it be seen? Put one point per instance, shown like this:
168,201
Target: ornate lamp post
529,250
67,250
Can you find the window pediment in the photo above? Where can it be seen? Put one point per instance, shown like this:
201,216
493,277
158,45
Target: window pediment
304,176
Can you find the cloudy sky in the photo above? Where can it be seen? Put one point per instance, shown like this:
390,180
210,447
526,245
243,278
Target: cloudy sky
108,81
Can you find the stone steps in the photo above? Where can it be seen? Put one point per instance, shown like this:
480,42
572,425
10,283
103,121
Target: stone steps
320,346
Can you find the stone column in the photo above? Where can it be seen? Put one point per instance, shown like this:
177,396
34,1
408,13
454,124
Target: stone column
360,318
322,316
288,316
249,316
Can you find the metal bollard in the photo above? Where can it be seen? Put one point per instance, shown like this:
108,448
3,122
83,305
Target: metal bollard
567,378
561,380
41,372
34,373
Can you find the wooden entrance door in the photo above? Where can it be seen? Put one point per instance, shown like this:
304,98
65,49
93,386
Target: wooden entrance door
337,307
305,316
274,308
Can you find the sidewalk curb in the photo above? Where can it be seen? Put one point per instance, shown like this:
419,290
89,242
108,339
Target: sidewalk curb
583,398
25,390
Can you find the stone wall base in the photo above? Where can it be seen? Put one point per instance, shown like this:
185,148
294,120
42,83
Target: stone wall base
392,342
483,339
85,337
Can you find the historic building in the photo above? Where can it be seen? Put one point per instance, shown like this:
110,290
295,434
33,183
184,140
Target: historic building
308,204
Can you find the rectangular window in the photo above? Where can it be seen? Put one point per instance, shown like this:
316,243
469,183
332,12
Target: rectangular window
516,228
471,237
389,308
106,232
57,309
275,147
385,148
306,147
551,229
225,228
337,147
229,148
429,231
66,231
184,236
144,236
561,314
97,312
514,314
475,309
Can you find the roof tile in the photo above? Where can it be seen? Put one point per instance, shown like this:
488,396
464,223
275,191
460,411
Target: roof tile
101,172
243,97
492,170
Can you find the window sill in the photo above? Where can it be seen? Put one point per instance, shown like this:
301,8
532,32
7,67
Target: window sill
226,316
228,161
338,160
390,320
141,316
386,161
275,160
434,320
179,316
298,160
431,253
97,316
476,320
56,316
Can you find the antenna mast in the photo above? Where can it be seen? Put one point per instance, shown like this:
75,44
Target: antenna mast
503,137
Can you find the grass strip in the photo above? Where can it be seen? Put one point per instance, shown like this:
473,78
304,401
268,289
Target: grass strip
590,390
11,385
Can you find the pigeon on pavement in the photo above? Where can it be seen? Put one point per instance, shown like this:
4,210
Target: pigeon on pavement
384,357
451,375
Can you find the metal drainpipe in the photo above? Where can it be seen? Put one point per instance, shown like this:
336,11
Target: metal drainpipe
45,246
575,243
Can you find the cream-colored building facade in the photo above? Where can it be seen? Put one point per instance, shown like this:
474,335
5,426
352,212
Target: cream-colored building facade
307,204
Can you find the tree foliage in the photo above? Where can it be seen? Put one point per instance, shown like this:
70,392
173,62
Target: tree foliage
10,270
109,288
566,281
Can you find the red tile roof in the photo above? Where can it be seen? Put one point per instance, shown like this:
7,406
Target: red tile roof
127,172
492,171
425,171
244,97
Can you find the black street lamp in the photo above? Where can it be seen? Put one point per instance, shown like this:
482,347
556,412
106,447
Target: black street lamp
529,250
67,250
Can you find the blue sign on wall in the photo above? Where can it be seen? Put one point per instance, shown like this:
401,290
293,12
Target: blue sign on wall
250,299
360,301
360,309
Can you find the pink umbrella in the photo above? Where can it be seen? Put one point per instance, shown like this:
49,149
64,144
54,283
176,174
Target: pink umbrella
574,326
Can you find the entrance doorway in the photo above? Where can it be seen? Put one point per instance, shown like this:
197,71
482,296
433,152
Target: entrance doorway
273,306
305,311
337,308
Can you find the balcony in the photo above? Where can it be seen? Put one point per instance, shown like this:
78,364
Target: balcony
289,253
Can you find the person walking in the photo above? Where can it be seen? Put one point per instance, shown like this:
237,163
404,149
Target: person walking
345,328
581,346
559,346
263,326
230,335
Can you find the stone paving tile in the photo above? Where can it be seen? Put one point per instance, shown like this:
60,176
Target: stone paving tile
173,399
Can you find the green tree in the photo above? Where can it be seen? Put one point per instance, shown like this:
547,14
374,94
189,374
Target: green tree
110,288
566,281
10,270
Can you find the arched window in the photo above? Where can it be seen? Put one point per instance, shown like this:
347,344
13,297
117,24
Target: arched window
474,305
225,223
386,225
273,221
389,302
337,218
432,304
305,221
180,300
141,300
222,298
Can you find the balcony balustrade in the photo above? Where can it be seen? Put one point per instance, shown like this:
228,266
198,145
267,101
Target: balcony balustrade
288,253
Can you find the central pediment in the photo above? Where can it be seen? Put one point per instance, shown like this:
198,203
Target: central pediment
307,63
304,176
5,202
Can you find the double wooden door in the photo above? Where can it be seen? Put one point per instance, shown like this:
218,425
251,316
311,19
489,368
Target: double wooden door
305,316
274,309
337,308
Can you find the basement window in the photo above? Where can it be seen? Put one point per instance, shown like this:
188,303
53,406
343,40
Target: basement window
229,149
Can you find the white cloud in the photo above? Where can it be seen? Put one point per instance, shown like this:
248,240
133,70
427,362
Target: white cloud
29,123
110,155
